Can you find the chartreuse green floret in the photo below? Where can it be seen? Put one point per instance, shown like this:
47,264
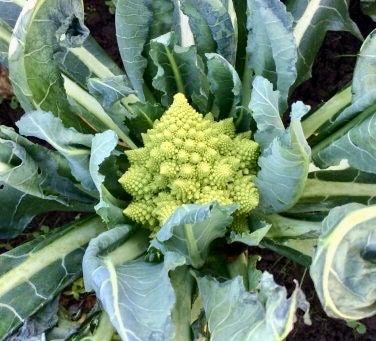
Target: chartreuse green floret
190,158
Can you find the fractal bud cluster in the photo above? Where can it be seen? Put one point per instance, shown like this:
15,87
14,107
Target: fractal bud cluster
190,158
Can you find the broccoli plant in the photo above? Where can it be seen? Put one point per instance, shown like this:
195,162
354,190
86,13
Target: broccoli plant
192,145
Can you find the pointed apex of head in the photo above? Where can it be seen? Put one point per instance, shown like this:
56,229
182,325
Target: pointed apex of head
180,98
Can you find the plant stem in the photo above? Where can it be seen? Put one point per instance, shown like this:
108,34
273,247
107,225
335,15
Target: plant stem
321,188
342,131
92,105
287,252
326,112
175,70
131,249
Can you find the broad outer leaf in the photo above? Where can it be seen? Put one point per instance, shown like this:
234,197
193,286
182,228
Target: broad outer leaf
363,89
43,28
33,273
33,329
369,8
110,90
133,20
312,20
271,47
85,62
284,163
9,12
358,146
191,228
343,268
103,145
5,36
203,38
74,146
266,112
137,296
179,69
213,16
225,85
235,314
33,180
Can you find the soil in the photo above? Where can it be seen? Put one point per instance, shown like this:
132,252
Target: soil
332,70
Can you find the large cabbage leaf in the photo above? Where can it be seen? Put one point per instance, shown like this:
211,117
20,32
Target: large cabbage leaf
285,157
71,144
33,273
33,180
312,19
43,28
179,69
213,27
343,267
236,314
271,47
138,296
108,207
191,228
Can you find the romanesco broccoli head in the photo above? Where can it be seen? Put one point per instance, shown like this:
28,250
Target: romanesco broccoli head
190,158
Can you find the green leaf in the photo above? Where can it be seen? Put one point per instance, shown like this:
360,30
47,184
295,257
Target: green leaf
235,314
326,189
369,8
70,143
109,90
363,102
109,208
284,163
212,16
180,69
312,20
9,12
5,36
203,38
34,327
133,20
356,146
265,111
182,282
343,268
271,47
137,296
33,273
43,28
289,228
33,180
140,117
85,62
251,238
93,113
225,85
191,228
289,251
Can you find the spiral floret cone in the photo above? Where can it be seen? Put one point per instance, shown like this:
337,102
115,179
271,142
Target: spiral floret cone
189,158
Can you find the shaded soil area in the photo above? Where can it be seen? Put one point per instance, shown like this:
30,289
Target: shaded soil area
332,70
